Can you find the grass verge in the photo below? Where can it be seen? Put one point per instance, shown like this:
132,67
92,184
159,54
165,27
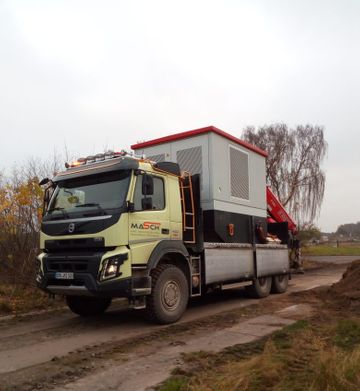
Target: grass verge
330,250
304,356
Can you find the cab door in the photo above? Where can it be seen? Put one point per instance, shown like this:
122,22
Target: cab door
149,222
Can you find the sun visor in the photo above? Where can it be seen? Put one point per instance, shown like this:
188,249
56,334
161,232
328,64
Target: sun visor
116,164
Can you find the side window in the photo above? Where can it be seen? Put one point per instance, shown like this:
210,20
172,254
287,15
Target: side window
141,202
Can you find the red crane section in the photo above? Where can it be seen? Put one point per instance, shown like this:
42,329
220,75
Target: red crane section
277,211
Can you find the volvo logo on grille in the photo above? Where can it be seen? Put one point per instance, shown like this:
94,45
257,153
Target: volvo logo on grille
71,228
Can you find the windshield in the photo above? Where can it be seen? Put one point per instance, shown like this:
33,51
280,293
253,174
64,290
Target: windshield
89,196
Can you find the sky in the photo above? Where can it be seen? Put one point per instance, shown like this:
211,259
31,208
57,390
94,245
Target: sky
84,75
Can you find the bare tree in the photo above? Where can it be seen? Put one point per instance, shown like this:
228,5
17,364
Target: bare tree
294,165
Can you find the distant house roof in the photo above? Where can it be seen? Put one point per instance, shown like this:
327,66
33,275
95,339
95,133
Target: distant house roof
196,132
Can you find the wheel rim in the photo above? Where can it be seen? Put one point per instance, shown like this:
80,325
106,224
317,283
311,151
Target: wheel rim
281,278
262,281
171,294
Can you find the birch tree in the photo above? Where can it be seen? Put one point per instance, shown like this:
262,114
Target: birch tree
294,165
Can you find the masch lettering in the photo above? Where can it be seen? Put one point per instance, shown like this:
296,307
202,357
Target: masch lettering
146,225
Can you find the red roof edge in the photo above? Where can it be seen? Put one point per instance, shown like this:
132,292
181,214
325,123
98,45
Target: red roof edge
196,132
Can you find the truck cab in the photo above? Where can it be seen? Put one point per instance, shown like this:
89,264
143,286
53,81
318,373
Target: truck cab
107,224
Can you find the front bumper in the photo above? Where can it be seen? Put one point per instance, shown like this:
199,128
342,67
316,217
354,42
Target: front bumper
85,267
86,285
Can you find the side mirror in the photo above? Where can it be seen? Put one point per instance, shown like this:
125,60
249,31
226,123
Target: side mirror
147,185
44,181
47,196
49,190
146,204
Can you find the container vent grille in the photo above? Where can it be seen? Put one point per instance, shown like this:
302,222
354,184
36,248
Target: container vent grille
239,174
190,160
157,158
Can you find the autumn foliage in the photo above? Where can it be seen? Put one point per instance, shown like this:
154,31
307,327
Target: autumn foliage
20,214
21,200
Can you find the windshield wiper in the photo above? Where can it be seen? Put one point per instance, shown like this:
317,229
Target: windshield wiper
88,204
58,209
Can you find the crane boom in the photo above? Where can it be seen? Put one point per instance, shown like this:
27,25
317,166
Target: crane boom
277,211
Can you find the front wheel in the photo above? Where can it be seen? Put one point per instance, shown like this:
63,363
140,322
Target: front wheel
260,288
169,294
87,306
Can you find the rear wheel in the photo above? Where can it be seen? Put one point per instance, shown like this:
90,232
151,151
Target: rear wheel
280,283
260,288
169,294
87,306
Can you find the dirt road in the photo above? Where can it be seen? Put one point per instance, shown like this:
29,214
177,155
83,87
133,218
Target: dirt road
60,349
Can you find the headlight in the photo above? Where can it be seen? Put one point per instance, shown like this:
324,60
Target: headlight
111,268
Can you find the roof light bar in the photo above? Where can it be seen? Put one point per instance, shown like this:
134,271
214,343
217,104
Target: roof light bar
102,156
97,158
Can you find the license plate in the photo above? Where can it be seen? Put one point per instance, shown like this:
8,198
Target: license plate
64,276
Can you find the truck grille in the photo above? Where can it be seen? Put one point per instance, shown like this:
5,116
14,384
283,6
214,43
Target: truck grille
68,266
55,246
85,262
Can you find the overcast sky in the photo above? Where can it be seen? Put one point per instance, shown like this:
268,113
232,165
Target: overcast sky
95,74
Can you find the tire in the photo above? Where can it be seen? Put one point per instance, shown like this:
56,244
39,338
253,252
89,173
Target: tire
169,295
260,288
280,283
87,306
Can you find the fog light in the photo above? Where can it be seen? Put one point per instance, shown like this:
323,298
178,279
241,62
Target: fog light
110,269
